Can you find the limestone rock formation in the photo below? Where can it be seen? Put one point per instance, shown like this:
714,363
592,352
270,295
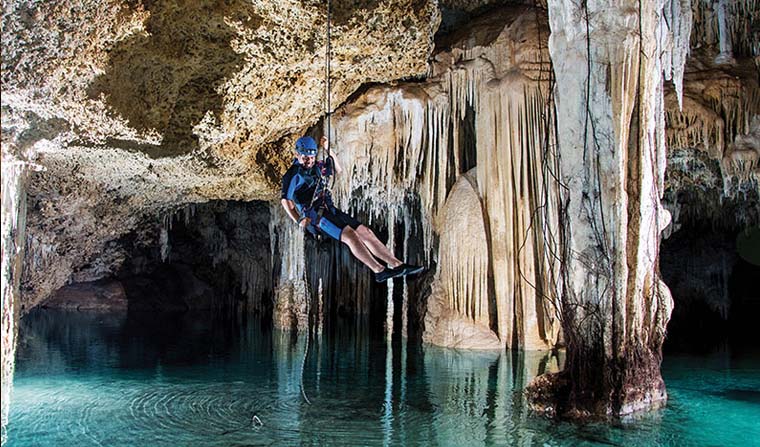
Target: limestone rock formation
611,142
460,313
12,236
485,105
134,108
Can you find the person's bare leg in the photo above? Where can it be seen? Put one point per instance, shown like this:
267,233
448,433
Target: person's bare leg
376,247
359,250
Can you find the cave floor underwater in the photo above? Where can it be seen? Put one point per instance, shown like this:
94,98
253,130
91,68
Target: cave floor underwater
86,378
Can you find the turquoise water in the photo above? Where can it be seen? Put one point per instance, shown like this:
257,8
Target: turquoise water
104,380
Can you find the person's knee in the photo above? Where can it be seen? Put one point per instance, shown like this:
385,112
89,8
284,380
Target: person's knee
364,232
348,235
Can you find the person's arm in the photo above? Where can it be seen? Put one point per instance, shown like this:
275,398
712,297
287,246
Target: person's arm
288,205
290,209
338,168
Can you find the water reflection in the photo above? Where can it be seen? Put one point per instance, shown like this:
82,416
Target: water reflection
479,395
98,379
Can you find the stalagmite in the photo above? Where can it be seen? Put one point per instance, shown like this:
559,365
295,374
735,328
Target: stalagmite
459,307
610,122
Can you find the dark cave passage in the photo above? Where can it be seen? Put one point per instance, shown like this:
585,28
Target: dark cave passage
713,275
221,257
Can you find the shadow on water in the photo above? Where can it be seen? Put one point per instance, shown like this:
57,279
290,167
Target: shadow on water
168,77
742,395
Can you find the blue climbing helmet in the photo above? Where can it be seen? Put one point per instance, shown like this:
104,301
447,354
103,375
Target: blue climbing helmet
306,146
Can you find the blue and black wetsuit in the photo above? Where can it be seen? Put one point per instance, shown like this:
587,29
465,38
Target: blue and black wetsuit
310,195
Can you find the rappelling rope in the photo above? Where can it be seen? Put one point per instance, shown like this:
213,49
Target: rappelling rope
327,104
328,50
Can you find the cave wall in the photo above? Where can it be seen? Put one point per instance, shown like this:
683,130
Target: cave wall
712,186
209,256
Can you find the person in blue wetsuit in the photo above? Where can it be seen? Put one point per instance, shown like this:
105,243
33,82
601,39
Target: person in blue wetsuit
307,201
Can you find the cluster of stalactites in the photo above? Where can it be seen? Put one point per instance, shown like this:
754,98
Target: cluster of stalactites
725,126
406,141
516,171
255,272
255,275
184,215
396,144
728,26
697,126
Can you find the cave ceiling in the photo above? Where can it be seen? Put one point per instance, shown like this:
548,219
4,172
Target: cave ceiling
171,101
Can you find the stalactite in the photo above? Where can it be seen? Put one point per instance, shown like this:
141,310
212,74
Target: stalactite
679,18
389,296
291,289
724,38
405,291
14,178
163,241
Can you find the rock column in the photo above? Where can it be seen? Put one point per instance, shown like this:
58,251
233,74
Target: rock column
608,60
